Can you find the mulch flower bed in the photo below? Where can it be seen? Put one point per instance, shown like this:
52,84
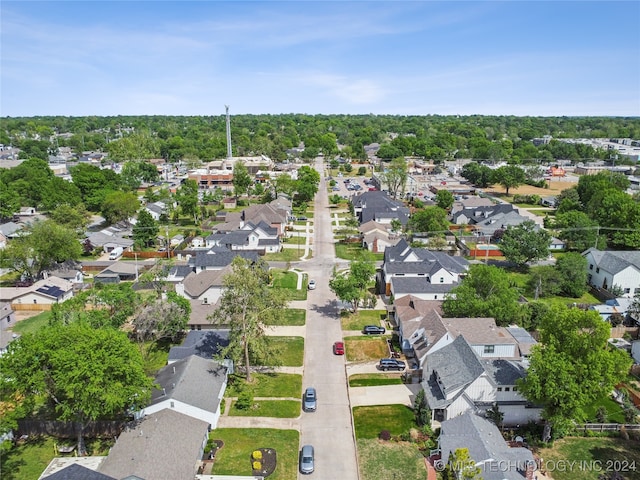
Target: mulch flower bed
267,462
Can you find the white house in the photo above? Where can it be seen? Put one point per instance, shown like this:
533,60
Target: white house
606,269
205,286
193,386
456,380
249,236
39,296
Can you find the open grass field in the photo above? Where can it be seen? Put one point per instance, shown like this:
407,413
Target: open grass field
235,456
291,350
388,460
269,408
350,321
371,420
555,187
365,349
291,317
596,455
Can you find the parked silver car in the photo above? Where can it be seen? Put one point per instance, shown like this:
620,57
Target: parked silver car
310,400
306,459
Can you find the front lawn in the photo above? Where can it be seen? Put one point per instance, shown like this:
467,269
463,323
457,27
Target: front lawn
370,421
597,455
389,460
235,456
363,349
291,317
31,324
374,379
350,321
354,251
290,350
284,279
269,408
285,385
285,255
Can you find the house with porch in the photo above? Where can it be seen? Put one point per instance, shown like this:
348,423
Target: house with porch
608,268
259,237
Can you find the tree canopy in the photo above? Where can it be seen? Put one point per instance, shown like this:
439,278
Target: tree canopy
572,366
395,177
509,176
83,373
351,286
525,243
429,220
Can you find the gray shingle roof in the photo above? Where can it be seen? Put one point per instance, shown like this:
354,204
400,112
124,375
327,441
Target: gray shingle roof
163,446
203,343
503,372
220,257
196,283
78,472
615,261
194,380
415,285
396,260
486,445
378,205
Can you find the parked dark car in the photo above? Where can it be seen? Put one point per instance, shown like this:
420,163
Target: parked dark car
373,330
391,364
310,401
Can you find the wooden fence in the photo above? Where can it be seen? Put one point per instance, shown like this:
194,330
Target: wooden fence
607,427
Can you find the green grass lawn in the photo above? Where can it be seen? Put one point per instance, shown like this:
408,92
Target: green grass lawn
389,460
28,460
285,255
291,317
520,281
295,239
291,350
156,355
269,408
614,411
235,456
374,379
283,279
370,421
354,251
350,321
610,452
366,348
32,324
284,385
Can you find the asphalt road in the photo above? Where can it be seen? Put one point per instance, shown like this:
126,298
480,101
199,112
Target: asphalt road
330,428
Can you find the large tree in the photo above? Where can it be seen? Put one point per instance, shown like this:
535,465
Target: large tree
161,318
525,243
578,231
118,206
485,292
351,286
572,366
307,184
429,220
573,271
187,196
509,176
85,374
146,229
480,175
444,199
246,305
43,245
395,176
241,179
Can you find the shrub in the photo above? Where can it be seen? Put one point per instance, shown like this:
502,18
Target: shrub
385,435
257,455
245,400
257,466
601,414
362,171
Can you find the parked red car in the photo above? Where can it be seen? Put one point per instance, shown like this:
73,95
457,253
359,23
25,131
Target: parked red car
338,348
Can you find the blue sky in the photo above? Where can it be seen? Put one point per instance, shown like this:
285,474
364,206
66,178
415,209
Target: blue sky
329,57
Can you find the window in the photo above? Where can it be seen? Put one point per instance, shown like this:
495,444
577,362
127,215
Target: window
499,389
435,297
591,266
627,290
506,389
173,405
441,280
489,348
514,389
598,270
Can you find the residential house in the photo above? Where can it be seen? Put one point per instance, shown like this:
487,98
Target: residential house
197,242
376,237
72,469
456,380
217,258
40,296
419,272
111,238
71,274
7,315
486,446
618,306
179,272
119,272
557,244
608,269
470,203
9,231
156,210
203,343
27,212
167,445
500,221
204,286
193,386
379,207
259,237
273,216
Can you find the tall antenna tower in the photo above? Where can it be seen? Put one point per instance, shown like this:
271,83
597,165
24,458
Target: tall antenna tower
229,155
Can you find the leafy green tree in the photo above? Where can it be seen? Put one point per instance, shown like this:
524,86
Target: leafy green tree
568,200
74,218
145,231
283,183
444,199
87,374
509,176
590,185
94,183
307,184
460,466
577,230
395,176
429,220
572,366
9,202
480,175
484,292
187,196
351,286
119,206
388,151
44,244
421,409
161,319
241,179
136,172
246,305
545,281
525,243
572,268
620,214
